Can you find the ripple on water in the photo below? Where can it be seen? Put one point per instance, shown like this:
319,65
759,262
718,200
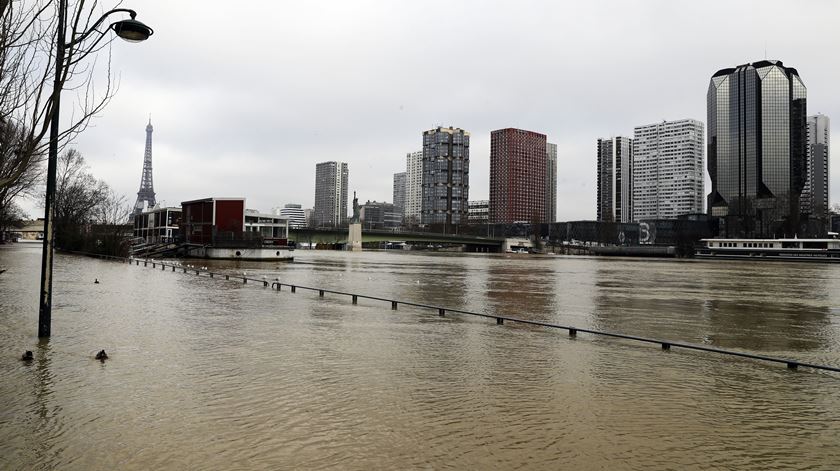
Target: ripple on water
207,374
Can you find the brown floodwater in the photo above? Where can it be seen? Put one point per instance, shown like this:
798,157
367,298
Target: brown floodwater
212,374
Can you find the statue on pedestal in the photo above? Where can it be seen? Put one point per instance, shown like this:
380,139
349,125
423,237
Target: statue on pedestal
356,219
354,236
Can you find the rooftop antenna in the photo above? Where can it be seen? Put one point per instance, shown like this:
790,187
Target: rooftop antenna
765,49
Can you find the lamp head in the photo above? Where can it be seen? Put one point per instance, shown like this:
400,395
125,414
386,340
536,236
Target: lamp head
132,30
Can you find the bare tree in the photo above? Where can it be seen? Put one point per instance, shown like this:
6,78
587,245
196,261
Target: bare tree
11,217
27,181
27,74
112,232
78,194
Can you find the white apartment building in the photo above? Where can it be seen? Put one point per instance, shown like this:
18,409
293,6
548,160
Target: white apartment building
413,186
668,179
294,213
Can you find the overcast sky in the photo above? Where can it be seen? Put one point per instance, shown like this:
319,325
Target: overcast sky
246,97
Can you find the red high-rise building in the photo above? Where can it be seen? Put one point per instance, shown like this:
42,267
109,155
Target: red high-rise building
518,164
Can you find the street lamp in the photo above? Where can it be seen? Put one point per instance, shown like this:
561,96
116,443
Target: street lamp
130,30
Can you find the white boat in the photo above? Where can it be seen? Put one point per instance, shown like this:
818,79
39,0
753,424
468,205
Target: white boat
800,250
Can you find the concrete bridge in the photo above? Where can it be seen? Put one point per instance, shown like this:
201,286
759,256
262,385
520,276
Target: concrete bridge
340,236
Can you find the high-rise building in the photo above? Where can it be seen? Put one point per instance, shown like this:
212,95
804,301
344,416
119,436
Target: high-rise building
815,194
518,167
757,149
615,179
446,172
668,178
399,192
413,187
551,182
294,213
330,194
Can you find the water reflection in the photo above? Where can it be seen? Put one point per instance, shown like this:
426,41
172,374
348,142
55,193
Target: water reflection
213,374
728,309
521,291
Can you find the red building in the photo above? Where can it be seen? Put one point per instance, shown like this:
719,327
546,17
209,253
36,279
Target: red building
518,165
208,220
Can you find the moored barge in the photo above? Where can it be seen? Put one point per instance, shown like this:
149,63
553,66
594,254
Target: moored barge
799,250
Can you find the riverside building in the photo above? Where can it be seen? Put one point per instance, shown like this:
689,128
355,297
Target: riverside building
518,167
816,191
614,179
757,149
551,182
330,194
445,178
668,178
413,187
479,212
295,214
399,193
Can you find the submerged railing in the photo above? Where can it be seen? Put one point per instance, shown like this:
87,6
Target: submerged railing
500,320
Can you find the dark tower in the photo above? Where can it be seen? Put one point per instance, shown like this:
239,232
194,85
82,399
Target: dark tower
757,149
147,187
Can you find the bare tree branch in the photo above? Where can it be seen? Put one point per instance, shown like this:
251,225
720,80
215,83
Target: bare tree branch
28,39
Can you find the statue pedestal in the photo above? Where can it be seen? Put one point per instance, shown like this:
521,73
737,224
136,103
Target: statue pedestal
354,238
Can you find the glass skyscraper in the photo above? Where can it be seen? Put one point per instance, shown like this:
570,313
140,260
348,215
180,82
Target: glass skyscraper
757,149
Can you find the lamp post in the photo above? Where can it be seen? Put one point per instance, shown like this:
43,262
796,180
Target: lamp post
131,30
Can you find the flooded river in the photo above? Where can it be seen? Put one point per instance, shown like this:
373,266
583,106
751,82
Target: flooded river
213,374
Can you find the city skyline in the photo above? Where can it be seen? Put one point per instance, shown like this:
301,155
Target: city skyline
321,119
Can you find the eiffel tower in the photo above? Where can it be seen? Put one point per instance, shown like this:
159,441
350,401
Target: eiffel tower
147,188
